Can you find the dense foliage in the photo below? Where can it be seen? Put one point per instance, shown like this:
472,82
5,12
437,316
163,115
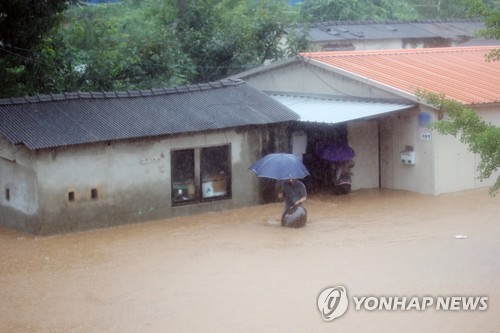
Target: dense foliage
344,10
25,27
127,46
491,15
49,46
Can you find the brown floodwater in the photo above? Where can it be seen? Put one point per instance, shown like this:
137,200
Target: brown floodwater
239,271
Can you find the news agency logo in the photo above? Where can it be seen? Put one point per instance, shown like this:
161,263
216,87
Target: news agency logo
333,303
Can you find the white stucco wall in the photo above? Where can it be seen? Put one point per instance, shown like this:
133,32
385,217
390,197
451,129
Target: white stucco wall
363,138
301,77
456,166
490,113
369,44
397,132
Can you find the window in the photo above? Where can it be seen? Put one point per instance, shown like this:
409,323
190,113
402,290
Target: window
93,194
7,194
183,180
71,196
201,174
214,163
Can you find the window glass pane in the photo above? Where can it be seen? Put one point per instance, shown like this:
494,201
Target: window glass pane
182,166
215,164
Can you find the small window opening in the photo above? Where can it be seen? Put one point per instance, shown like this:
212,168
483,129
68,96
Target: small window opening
7,194
71,196
93,194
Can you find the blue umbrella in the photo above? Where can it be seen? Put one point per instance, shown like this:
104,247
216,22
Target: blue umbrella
279,166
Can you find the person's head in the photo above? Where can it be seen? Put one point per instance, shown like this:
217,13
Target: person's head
292,181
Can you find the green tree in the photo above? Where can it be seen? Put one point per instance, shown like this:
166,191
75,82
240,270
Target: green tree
344,10
24,25
223,37
127,46
490,12
442,9
436,9
480,137
139,44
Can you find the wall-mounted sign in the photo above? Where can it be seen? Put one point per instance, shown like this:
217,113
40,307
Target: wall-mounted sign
424,119
425,134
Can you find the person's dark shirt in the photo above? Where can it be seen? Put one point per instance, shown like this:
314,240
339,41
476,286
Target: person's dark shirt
292,192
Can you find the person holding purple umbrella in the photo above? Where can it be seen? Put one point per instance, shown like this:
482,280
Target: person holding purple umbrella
342,181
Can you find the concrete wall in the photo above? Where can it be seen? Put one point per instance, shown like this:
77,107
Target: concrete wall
383,167
18,186
398,132
455,165
368,44
383,44
301,77
363,138
132,179
443,163
490,114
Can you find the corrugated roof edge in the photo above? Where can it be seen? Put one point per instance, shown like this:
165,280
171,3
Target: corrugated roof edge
364,53
331,23
121,94
341,98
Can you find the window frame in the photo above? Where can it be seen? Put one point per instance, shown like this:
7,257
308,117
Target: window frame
200,181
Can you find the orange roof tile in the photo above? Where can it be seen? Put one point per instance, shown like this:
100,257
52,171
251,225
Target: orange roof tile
461,73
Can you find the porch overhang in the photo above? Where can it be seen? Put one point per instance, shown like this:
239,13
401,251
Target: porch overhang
335,109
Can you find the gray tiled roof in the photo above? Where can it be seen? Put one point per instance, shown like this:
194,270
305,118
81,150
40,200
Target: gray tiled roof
76,118
374,30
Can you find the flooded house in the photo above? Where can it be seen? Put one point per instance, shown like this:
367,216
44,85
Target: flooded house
368,100
76,161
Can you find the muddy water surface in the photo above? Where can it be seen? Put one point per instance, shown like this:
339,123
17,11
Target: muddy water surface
239,271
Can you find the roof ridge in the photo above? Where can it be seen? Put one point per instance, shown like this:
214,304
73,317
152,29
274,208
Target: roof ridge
449,49
51,97
366,22
340,97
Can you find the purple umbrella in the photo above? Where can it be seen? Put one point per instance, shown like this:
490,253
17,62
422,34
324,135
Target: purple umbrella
336,152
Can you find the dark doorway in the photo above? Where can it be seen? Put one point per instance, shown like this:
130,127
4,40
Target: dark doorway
322,171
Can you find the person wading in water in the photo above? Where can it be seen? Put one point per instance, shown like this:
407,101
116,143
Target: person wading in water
294,192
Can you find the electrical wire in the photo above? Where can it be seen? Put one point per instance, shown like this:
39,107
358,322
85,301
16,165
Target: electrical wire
13,53
31,59
199,67
310,68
